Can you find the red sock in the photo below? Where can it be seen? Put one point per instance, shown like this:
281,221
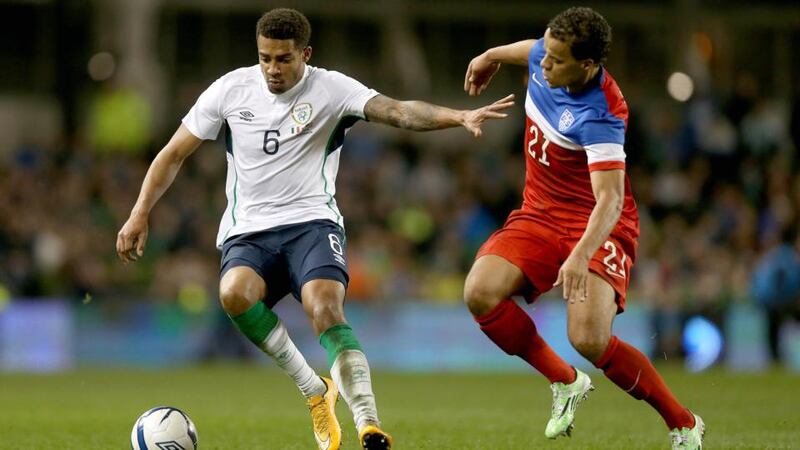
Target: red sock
513,331
629,369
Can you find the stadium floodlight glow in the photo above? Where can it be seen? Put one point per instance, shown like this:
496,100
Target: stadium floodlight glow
702,342
680,86
101,66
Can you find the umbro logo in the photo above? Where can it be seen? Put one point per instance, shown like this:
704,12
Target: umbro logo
171,445
246,115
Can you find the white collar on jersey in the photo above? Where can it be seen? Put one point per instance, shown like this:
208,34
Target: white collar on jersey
288,95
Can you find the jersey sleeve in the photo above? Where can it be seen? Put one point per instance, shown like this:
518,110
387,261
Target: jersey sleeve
351,94
604,142
205,118
605,157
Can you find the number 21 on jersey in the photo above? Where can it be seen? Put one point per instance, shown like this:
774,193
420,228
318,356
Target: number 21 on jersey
533,141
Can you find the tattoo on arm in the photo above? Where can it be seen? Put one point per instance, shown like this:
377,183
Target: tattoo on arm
410,115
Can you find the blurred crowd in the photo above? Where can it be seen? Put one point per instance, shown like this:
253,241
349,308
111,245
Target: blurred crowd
717,181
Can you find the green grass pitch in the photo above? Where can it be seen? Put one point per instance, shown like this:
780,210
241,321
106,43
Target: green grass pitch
252,407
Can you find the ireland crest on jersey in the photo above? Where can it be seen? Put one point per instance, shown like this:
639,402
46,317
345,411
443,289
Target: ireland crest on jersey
565,121
301,113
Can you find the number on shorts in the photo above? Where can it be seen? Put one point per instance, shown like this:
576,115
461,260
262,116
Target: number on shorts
611,267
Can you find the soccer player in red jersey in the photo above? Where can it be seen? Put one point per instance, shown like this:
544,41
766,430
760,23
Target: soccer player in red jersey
577,227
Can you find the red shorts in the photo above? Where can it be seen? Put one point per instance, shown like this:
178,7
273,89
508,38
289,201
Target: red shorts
538,247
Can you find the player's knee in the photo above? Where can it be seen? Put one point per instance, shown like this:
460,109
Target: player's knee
325,307
236,298
323,302
589,344
325,312
479,299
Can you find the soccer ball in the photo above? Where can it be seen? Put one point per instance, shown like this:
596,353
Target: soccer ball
164,428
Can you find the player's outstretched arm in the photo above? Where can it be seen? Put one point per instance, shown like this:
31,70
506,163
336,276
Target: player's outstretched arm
483,67
133,235
421,116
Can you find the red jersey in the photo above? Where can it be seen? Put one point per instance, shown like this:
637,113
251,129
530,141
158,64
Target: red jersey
566,137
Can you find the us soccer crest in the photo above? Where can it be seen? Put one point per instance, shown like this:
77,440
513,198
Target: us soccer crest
301,113
565,121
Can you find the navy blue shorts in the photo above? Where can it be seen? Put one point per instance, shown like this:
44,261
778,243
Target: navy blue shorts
288,256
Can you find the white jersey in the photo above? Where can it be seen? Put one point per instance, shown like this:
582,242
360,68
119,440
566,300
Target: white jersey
281,149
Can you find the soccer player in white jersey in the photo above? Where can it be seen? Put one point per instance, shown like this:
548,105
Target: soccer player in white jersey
282,232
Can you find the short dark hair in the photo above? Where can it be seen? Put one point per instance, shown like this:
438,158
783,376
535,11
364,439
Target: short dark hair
585,30
285,23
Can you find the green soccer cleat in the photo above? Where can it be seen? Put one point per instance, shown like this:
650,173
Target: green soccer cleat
689,438
566,398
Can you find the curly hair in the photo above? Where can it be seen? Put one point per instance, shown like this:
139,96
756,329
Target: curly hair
285,23
585,30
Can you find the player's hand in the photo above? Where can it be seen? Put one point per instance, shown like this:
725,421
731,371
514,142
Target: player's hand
574,276
479,73
474,119
131,238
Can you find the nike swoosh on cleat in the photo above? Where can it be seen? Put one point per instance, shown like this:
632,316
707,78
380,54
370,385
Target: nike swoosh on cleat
323,445
566,406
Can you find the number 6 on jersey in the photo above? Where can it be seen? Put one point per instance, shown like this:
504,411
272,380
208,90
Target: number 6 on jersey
271,143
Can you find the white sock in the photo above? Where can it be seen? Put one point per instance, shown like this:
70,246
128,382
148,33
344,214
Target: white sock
350,371
280,347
